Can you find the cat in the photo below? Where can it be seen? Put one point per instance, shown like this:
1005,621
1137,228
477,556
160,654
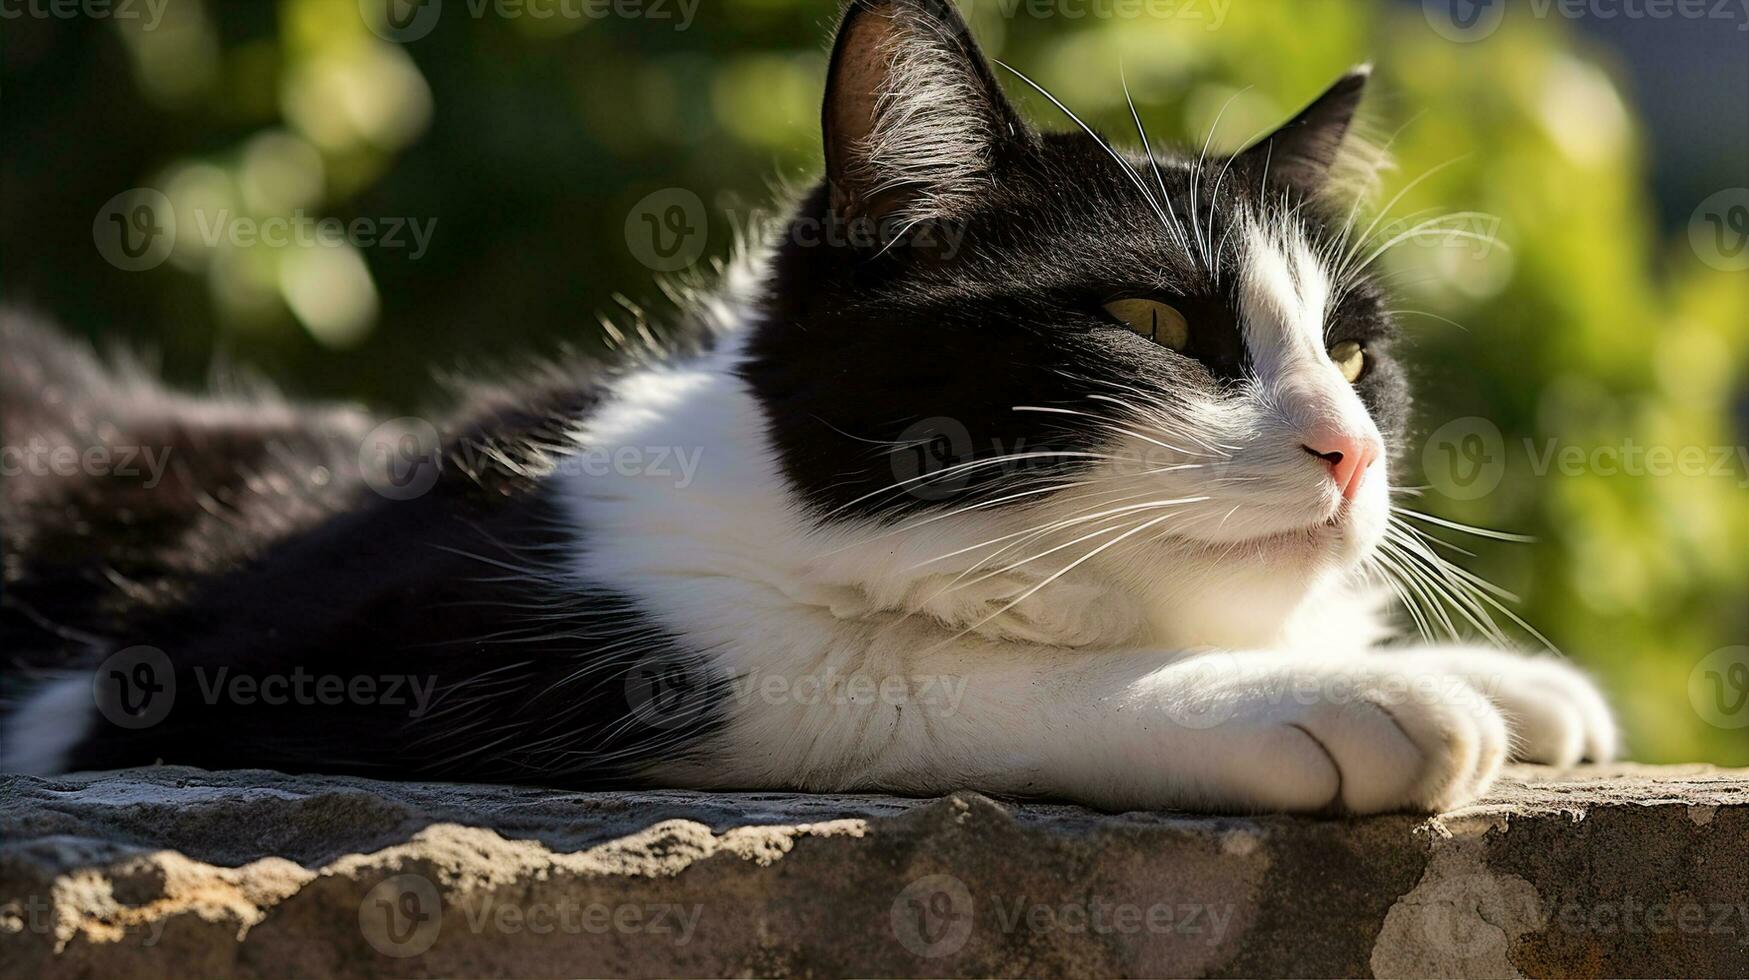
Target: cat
1012,461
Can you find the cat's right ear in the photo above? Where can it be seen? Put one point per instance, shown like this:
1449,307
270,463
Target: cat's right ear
914,122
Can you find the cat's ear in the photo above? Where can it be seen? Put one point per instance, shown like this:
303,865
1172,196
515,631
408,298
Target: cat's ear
1313,147
913,121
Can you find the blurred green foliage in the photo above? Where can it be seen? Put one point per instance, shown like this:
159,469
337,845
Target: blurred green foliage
528,140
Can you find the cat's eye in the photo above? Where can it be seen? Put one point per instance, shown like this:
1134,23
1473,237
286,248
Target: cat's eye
1155,320
1349,358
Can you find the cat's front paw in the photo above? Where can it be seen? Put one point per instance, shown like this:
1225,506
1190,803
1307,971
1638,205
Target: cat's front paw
1359,737
1406,742
1556,714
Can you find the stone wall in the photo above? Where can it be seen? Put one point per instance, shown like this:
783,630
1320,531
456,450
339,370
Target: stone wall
179,872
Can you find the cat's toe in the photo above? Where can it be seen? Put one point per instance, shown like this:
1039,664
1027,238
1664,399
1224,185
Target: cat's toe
1602,739
1546,728
1463,739
1301,774
1557,715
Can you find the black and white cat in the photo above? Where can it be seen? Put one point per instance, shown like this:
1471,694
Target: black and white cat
1011,462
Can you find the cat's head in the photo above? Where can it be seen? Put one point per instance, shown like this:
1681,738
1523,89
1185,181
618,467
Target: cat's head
1165,369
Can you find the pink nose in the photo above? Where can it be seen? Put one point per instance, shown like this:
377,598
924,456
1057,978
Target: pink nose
1349,457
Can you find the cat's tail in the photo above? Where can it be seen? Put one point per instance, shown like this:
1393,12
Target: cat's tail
116,491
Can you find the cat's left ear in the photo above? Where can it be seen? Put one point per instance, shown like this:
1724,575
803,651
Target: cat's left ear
1309,149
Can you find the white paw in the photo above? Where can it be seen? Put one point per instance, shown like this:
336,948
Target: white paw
1358,738
1407,742
1556,714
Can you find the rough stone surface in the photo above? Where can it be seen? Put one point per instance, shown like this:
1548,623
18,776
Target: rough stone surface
1626,871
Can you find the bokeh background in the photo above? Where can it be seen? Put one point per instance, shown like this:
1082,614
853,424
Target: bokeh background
1595,305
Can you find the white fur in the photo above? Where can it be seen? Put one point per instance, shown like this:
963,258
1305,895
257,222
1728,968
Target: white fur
46,727
1224,658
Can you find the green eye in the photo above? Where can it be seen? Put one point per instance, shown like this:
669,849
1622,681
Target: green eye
1155,320
1349,358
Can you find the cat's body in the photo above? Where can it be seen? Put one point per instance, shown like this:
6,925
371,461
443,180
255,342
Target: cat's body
1138,576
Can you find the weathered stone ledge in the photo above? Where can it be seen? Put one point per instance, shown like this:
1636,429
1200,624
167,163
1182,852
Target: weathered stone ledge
1635,871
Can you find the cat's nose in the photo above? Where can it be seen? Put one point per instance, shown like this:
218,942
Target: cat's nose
1348,455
